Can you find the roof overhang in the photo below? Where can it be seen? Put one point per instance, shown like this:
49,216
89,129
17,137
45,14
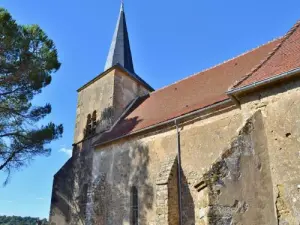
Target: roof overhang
265,82
171,122
232,94
120,67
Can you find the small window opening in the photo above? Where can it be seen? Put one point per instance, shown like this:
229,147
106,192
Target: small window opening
89,124
134,209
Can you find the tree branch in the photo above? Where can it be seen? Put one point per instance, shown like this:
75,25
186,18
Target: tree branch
8,160
13,134
9,110
10,92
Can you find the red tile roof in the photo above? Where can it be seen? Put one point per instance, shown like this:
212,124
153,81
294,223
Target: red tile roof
209,87
284,57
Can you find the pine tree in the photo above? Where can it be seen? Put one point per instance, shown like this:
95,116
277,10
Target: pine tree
27,60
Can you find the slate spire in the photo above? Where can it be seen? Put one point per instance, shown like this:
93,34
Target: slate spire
120,52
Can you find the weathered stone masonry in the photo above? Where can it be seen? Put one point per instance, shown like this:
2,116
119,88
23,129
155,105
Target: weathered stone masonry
249,174
240,150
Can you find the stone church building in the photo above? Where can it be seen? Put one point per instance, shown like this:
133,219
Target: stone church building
219,147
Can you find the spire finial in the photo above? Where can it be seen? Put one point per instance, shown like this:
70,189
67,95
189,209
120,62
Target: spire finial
122,5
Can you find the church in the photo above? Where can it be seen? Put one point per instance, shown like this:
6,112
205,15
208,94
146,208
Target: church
221,147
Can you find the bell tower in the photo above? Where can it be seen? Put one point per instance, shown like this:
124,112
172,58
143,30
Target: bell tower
103,100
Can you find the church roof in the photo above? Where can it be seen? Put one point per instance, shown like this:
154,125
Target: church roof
284,57
120,52
210,86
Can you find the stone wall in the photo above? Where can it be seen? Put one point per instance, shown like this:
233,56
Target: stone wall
240,166
115,172
109,96
280,108
72,196
60,211
125,90
97,96
251,155
238,186
70,193
138,162
167,193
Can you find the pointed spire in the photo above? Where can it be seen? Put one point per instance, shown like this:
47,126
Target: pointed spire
120,52
122,6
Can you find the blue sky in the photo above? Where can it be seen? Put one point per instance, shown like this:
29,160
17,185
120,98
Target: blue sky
169,39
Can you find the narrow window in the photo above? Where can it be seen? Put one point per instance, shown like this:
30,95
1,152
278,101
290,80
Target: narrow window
89,124
135,205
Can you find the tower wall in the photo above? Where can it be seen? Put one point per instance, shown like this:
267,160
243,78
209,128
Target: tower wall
97,96
109,96
125,91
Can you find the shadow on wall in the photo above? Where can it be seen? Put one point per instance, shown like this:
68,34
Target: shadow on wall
71,189
69,194
61,196
188,207
94,126
65,205
167,206
124,127
119,171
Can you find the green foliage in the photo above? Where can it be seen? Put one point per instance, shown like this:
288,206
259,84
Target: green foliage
17,220
27,60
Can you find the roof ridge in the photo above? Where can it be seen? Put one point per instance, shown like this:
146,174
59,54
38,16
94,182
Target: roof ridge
216,65
268,57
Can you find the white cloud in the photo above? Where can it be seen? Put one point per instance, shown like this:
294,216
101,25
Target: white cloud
40,198
67,151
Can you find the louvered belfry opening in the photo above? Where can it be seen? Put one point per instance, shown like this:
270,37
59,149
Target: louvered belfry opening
91,124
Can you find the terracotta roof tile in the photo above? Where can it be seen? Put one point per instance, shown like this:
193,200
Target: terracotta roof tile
203,89
284,57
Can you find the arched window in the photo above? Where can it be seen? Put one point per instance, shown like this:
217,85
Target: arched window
134,206
89,124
